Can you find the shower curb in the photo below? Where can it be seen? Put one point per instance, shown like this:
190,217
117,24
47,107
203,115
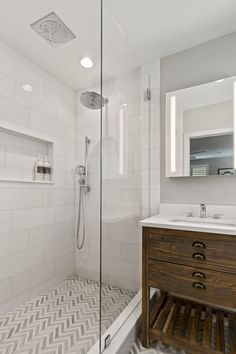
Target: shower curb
124,330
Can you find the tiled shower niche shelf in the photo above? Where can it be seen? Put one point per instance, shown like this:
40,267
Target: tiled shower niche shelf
19,150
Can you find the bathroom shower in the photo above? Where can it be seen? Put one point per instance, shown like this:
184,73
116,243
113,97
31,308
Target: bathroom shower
97,120
91,100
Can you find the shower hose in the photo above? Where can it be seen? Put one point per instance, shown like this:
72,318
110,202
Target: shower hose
81,219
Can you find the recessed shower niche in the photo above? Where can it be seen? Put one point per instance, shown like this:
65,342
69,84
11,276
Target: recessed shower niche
20,149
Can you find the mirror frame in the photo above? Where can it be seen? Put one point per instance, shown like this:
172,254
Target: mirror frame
174,152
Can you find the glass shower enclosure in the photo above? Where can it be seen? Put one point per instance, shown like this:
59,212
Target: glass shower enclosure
117,133
129,173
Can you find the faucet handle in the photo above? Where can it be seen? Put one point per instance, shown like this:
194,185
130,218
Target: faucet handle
189,214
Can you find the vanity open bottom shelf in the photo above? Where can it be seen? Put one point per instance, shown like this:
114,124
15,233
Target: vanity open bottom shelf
193,327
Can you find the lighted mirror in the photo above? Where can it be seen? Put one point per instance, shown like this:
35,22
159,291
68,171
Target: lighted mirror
200,124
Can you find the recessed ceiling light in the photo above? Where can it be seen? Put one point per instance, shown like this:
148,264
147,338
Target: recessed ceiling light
27,88
220,80
86,62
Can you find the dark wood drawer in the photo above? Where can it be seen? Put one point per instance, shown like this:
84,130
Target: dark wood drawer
201,284
192,248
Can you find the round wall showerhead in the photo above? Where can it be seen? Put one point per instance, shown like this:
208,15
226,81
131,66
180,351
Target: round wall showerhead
93,100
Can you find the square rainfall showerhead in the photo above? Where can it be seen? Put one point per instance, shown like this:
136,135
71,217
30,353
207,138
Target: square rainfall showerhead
53,30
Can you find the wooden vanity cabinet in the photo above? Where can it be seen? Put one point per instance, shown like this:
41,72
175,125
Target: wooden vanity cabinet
196,273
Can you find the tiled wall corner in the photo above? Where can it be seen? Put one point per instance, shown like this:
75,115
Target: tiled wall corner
151,139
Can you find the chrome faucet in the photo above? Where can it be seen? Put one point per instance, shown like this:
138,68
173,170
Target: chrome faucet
202,211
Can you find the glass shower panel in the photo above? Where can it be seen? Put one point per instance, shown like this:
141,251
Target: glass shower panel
126,166
130,161
87,182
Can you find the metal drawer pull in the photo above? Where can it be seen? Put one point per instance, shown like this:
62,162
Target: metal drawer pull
198,244
198,285
199,256
199,275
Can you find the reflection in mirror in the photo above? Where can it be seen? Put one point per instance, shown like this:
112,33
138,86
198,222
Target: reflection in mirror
211,155
200,124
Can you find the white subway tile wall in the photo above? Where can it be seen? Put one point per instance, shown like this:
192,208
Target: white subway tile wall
36,221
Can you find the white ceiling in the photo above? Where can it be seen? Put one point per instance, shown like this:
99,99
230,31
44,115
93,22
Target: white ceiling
135,32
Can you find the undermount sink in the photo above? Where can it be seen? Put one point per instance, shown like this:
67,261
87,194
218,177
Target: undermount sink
204,221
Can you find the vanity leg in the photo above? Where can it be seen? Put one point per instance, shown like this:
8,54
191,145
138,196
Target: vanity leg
145,292
145,316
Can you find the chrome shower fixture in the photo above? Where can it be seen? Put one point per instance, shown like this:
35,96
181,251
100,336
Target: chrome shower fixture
82,170
53,30
93,100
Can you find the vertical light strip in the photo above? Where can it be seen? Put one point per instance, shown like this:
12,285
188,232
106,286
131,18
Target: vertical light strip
234,124
121,142
173,134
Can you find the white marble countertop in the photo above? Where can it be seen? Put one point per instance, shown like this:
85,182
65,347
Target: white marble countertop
178,222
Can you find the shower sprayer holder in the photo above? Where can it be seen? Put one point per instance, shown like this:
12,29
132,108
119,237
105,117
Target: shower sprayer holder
86,187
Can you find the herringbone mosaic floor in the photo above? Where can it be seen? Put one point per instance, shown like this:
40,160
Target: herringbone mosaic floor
62,320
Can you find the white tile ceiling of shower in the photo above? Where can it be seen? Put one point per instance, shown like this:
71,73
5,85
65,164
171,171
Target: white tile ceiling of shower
19,153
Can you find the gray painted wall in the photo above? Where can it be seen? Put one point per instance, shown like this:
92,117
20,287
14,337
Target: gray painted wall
204,63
